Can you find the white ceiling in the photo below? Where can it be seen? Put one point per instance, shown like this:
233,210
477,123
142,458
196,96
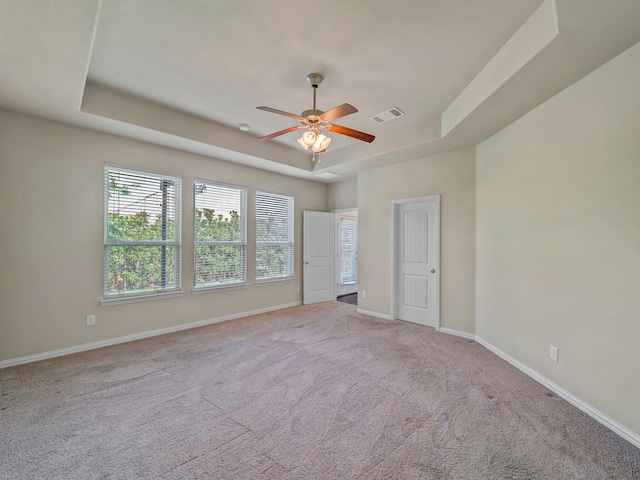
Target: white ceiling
186,73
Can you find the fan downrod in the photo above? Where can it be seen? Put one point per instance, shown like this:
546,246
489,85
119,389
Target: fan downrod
312,115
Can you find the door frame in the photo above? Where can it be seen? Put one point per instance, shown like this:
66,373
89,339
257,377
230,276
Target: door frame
343,212
395,219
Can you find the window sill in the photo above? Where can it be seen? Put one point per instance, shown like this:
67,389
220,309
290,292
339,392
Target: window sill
140,298
270,281
217,288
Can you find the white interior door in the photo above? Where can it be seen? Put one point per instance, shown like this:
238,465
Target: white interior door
417,240
319,257
347,255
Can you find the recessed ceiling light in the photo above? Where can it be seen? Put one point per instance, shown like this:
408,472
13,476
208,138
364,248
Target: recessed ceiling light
244,127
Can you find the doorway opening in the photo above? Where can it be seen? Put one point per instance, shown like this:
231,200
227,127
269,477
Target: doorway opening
330,256
347,247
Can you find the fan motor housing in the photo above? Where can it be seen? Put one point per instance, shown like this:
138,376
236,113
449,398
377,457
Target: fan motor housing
311,115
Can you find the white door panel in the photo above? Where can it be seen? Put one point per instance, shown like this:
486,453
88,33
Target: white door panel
416,291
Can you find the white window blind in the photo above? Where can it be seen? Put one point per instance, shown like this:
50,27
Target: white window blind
220,234
142,232
348,242
274,236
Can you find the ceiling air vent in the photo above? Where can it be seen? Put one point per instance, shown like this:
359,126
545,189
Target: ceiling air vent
387,115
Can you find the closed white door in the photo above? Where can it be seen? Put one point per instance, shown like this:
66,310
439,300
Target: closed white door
417,262
319,258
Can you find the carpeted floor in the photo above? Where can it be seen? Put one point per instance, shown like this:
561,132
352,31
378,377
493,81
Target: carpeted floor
311,392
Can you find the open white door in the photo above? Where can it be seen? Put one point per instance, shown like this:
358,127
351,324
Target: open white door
319,257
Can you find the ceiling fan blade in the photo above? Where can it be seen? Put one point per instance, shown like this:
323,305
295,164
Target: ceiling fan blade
338,112
280,112
281,132
365,137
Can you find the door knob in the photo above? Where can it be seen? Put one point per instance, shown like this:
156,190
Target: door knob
433,270
306,263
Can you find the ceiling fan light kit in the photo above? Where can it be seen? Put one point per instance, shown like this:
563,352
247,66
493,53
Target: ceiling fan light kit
315,121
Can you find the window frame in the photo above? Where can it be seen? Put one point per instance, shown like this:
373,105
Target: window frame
110,298
210,286
290,242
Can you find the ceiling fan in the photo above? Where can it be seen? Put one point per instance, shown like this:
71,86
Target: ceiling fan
315,121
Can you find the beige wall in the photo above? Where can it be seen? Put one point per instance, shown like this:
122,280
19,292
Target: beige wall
451,175
51,213
558,239
343,195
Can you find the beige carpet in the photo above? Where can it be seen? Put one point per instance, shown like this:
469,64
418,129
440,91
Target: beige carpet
311,392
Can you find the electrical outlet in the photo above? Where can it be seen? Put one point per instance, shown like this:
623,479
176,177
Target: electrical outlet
91,320
553,353
364,294
297,288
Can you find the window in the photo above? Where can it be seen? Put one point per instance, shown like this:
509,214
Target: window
274,236
220,234
348,252
142,233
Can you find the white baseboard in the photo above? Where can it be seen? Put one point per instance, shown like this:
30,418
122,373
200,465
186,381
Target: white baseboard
457,333
373,314
137,336
626,433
